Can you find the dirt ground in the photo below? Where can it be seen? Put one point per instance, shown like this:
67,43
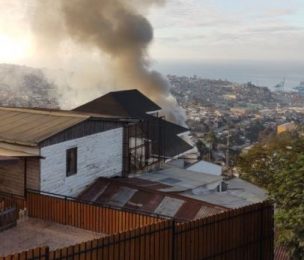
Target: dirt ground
32,233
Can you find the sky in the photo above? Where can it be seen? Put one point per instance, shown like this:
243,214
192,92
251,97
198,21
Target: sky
190,30
229,30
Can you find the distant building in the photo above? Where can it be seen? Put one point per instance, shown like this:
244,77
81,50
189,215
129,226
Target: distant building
287,127
229,97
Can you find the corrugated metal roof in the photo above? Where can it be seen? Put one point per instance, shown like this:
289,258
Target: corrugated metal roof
77,113
180,179
169,206
144,195
31,126
206,167
239,193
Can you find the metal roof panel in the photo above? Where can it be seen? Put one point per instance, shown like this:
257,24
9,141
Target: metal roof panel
145,196
31,126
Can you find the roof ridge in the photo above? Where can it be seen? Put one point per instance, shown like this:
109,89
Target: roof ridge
62,113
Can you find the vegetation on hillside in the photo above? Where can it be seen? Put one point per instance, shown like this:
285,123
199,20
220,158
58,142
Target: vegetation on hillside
277,164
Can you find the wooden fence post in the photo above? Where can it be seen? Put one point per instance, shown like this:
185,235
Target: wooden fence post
47,253
262,233
173,239
65,209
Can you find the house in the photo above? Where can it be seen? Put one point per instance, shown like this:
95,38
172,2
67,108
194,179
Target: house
57,151
63,152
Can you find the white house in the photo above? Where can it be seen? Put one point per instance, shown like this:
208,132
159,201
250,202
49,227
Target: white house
60,152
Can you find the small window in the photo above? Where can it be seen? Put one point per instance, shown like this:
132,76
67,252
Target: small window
71,161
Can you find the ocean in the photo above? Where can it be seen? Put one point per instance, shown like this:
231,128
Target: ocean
261,73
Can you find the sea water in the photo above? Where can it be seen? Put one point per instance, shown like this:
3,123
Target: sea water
261,73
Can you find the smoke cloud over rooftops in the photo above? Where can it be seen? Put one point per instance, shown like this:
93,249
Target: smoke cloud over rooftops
112,28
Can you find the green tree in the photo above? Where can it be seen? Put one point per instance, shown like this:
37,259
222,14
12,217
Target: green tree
202,148
277,164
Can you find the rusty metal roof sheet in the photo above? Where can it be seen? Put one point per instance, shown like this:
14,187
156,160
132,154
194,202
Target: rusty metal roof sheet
31,126
169,206
145,196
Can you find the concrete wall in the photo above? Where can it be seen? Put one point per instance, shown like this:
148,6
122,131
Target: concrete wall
98,155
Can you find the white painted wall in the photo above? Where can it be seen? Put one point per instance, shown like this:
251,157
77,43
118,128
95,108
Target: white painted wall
98,155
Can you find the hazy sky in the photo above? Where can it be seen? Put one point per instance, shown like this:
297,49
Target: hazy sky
229,29
192,30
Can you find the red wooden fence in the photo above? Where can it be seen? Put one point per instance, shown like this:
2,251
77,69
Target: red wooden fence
41,253
245,233
240,234
83,215
153,242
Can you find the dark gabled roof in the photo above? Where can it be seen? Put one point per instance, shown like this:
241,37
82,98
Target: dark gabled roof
175,146
171,144
127,103
173,128
133,104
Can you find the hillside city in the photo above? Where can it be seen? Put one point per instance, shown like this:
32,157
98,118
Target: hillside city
226,118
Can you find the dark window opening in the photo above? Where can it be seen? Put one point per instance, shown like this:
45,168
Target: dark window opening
71,161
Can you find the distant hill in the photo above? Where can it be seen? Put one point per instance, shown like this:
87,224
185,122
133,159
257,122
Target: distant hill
225,94
23,86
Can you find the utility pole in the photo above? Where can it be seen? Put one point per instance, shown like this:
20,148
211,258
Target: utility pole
227,150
